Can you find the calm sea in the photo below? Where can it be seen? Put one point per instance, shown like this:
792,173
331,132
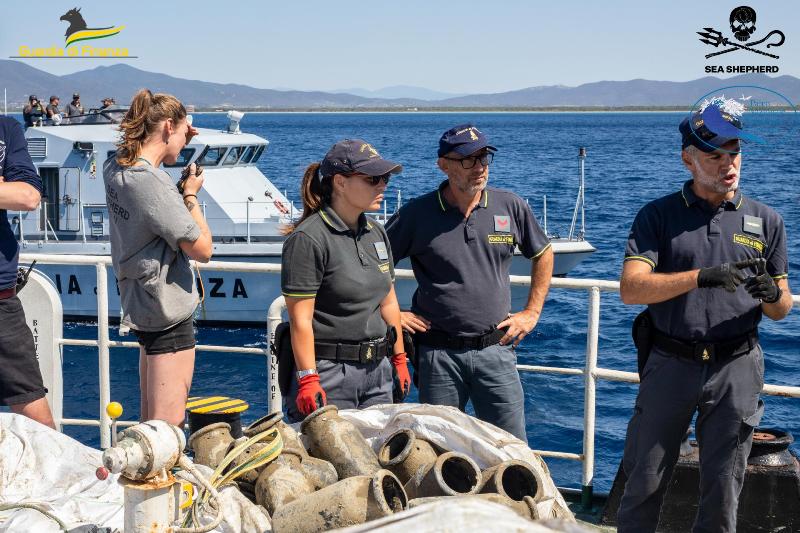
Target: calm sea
632,158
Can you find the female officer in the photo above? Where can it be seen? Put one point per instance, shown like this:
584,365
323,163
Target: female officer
336,275
154,233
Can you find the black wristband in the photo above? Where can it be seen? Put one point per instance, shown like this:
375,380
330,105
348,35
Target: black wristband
185,196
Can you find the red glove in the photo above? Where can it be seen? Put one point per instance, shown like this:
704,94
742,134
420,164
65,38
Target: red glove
402,379
310,395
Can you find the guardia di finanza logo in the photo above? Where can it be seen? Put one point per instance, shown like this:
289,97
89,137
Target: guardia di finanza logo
79,41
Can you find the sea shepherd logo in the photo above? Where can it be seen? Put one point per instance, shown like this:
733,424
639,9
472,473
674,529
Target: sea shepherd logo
78,32
742,21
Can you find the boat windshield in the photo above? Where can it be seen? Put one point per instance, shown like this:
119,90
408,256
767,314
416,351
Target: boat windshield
110,115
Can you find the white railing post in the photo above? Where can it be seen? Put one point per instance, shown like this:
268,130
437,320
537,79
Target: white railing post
248,221
102,348
274,317
590,383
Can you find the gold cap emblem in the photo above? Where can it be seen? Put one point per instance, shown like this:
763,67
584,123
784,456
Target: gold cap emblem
369,353
706,357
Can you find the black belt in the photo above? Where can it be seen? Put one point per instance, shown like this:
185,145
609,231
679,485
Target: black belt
439,339
706,352
362,352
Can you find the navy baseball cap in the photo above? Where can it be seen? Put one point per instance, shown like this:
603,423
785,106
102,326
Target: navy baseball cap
355,155
712,128
464,139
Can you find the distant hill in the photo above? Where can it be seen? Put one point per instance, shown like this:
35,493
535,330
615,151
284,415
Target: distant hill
400,91
121,82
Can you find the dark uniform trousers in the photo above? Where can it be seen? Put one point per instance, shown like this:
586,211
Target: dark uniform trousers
726,396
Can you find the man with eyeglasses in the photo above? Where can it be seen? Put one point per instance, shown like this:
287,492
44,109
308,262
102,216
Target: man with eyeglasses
461,240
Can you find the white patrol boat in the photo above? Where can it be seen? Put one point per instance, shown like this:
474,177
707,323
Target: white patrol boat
244,210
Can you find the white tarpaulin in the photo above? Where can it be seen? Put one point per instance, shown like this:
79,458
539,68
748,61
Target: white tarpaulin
40,465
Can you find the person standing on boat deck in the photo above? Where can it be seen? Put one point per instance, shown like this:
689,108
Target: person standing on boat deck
687,255
52,108
154,233
21,385
337,277
75,108
34,112
461,240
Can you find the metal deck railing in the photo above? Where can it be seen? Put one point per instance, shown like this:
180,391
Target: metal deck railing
590,372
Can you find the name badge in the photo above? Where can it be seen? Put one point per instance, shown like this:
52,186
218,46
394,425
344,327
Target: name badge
380,248
502,223
752,225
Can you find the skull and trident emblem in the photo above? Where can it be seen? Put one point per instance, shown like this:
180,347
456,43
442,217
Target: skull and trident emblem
743,26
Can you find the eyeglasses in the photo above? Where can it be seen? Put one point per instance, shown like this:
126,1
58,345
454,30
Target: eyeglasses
469,162
375,180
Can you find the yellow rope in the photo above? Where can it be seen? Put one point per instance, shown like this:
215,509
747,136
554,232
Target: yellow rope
263,456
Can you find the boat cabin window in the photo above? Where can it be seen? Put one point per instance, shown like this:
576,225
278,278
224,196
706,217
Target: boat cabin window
259,151
233,155
183,158
248,155
211,156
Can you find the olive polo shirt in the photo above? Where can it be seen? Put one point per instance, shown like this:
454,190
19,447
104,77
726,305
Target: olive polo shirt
462,265
682,232
348,273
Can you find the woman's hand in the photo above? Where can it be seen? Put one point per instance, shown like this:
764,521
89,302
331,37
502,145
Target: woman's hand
193,180
190,132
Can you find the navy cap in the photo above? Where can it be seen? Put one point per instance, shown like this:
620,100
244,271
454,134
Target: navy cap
32,97
712,128
464,139
355,155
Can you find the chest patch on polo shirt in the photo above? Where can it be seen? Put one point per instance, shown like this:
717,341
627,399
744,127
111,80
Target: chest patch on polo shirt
752,225
384,267
502,223
500,239
749,241
380,248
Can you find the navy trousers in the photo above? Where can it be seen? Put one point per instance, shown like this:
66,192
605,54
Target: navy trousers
726,397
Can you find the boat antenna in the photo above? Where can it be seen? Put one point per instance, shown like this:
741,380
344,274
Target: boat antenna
579,203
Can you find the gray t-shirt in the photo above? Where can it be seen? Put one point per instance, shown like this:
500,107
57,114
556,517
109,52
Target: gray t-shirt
148,220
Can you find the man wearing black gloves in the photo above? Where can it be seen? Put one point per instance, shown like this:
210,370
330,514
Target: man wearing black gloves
687,255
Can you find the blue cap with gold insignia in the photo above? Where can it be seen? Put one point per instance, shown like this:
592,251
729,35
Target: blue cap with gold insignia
713,126
464,140
351,156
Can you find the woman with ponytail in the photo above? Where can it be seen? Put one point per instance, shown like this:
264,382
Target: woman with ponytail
337,277
154,233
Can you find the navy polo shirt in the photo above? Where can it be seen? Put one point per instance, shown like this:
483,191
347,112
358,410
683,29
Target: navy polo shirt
462,264
681,232
348,273
15,165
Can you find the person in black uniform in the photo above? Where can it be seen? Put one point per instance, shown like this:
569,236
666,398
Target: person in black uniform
337,277
34,112
461,239
708,261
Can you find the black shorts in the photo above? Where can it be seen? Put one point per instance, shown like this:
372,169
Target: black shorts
177,338
20,377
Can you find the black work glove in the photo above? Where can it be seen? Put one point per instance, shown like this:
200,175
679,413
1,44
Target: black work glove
764,288
727,276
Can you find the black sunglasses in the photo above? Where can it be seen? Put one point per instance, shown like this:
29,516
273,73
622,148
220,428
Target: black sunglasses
469,162
375,180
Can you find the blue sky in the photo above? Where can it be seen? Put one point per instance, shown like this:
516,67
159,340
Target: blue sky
465,46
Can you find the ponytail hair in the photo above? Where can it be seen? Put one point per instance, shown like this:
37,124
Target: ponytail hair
315,193
141,121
